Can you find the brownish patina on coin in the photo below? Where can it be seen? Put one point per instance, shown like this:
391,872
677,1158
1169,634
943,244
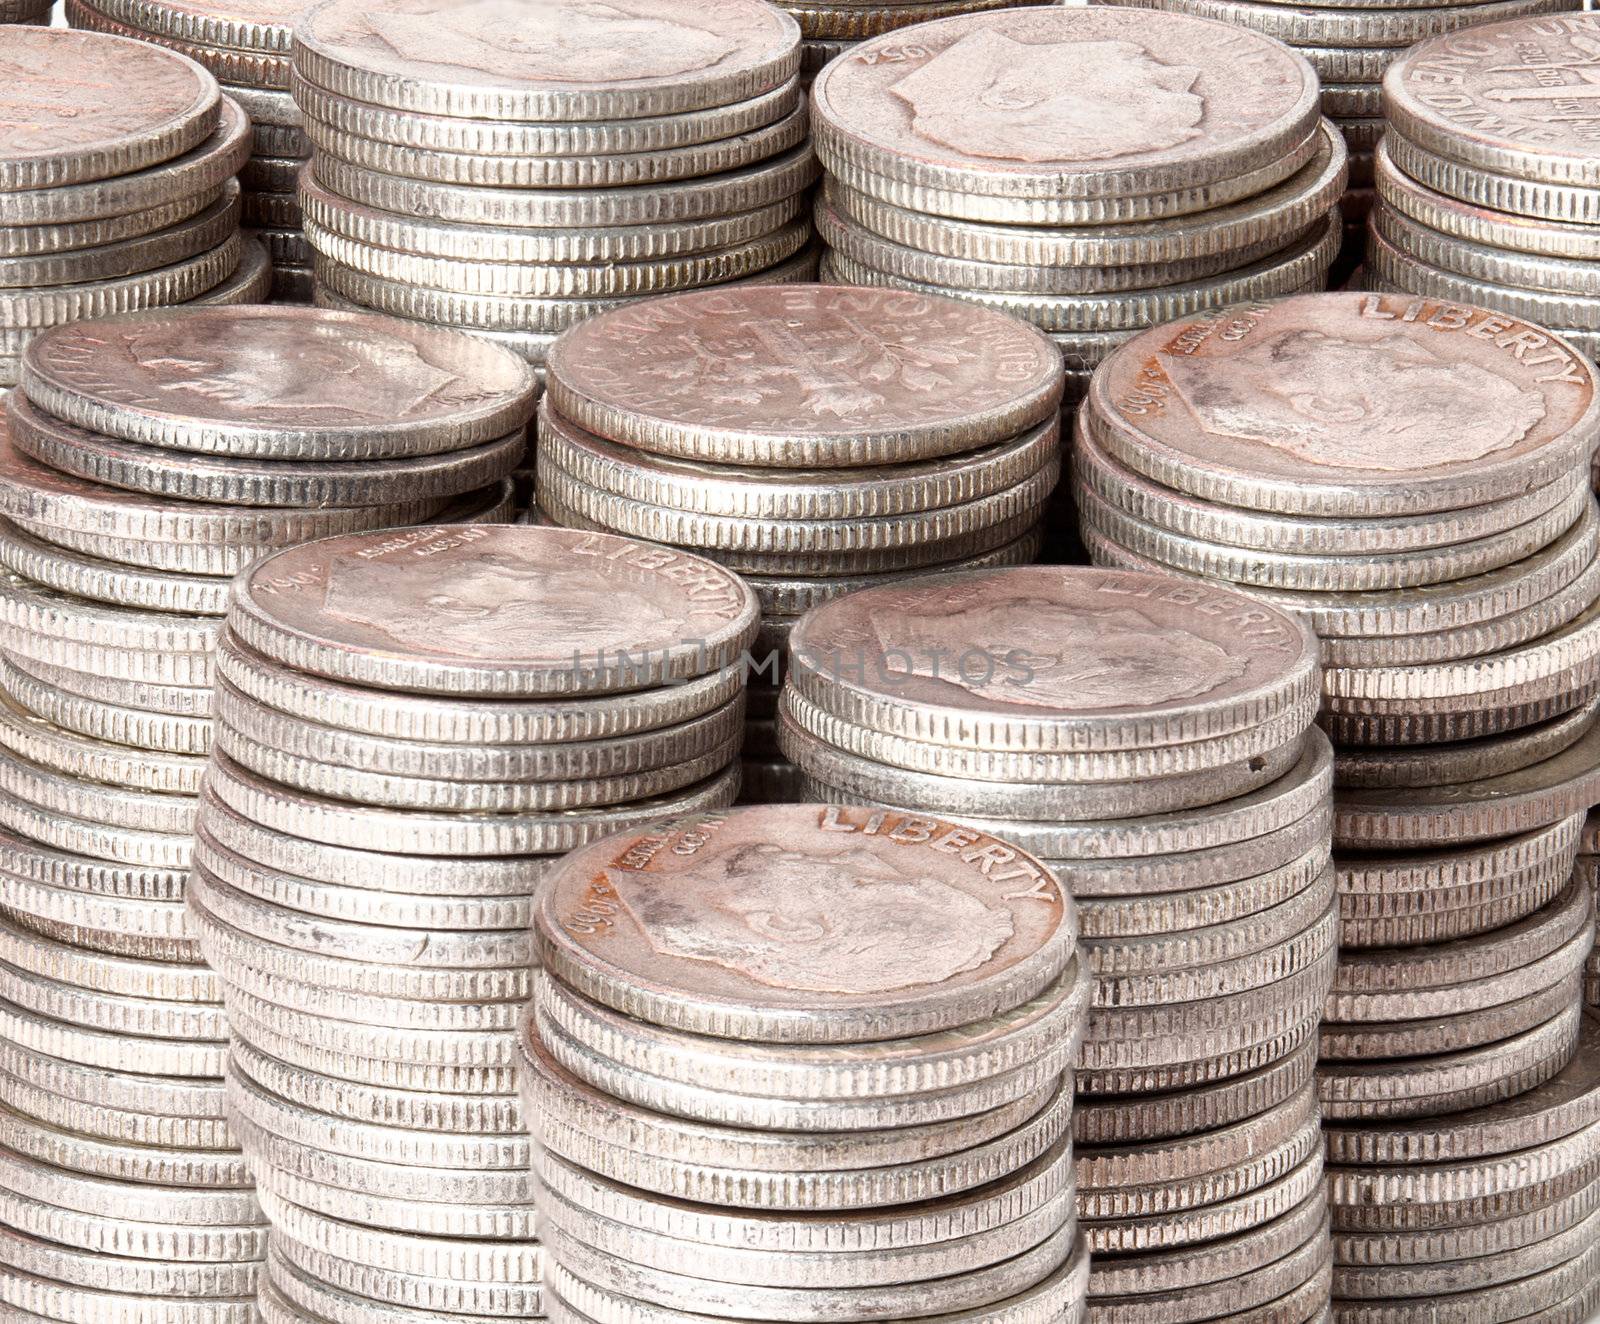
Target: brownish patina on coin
804,375
78,106
806,923
1514,98
1348,404
1054,657
279,382
1064,103
547,59
494,610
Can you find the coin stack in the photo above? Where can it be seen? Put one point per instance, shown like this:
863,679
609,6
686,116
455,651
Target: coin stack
1351,46
831,28
1587,871
123,1192
1152,740
117,191
800,1063
1486,1214
1411,478
816,439
468,174
25,11
409,723
1093,171
1488,181
245,43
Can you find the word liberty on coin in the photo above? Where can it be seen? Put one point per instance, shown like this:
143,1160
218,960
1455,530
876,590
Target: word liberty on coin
800,1021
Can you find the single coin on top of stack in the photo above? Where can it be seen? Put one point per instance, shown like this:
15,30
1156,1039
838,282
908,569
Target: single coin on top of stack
122,1185
804,1062
1488,180
463,175
1093,171
1351,45
1412,479
117,190
815,439
1154,741
246,44
1491,1214
411,724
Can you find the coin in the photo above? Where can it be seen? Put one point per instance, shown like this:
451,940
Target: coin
861,101
64,132
461,390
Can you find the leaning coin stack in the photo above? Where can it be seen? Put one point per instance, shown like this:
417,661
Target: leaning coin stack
1093,171
122,1188
467,174
1487,1214
245,43
1153,740
806,1063
816,439
409,724
1350,46
117,191
1587,871
1488,177
1412,479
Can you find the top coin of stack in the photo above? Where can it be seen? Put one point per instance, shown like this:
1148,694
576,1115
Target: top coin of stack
1488,176
806,1063
1351,43
116,185
470,170
816,439
1409,477
1093,171
245,43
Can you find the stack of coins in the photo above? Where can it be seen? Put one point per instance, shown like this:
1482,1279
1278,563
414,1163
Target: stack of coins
1587,870
468,174
815,439
114,1140
245,43
1412,478
1488,180
1154,741
25,11
117,191
806,1063
1351,45
1486,1214
409,723
1093,171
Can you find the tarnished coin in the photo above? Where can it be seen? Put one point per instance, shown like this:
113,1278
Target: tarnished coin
1202,407
283,383
1157,664
469,59
1493,98
81,106
242,25
511,611
632,922
748,376
922,111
